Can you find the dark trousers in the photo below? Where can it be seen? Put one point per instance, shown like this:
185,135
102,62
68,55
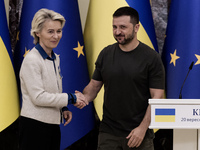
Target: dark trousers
36,135
109,142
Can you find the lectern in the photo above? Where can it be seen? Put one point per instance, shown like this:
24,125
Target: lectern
182,115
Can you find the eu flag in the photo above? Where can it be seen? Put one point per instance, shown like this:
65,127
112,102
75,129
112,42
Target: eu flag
9,101
73,60
181,48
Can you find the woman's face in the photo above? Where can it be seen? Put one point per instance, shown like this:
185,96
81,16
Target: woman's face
50,34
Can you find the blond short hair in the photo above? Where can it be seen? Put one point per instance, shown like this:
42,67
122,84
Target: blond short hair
39,19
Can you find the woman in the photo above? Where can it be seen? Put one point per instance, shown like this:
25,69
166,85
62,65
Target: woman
41,86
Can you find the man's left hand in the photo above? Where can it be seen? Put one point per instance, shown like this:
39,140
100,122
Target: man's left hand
136,137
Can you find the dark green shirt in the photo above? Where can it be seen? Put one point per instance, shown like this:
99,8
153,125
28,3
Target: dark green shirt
127,77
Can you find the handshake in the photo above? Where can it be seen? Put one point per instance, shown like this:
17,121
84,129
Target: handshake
81,100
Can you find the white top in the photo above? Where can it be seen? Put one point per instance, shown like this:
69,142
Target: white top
41,88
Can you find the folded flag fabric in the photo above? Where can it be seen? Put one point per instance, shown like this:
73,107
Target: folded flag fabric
9,103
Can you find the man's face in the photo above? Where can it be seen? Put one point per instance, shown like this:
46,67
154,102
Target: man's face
123,30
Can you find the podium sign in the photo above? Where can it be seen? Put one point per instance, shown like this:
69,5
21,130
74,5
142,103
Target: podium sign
175,113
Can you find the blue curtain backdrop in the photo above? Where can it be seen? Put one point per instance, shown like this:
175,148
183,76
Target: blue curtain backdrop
73,66
181,48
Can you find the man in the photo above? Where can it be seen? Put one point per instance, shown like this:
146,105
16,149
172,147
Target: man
131,73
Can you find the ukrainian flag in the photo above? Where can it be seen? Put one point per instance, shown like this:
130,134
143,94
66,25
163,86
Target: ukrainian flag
9,102
165,115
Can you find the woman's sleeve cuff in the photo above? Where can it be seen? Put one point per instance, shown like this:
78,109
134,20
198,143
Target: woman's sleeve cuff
71,98
65,109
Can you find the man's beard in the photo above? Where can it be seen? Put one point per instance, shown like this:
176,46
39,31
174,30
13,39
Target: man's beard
126,40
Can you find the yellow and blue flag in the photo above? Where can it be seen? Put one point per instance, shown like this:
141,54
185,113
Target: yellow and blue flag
165,114
9,102
98,31
72,56
181,48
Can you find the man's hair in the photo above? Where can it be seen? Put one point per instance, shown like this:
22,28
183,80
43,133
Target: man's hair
40,17
127,11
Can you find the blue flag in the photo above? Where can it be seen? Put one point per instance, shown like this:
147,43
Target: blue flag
181,48
9,103
73,60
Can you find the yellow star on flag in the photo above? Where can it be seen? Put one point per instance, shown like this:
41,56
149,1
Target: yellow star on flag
198,59
79,49
174,57
26,52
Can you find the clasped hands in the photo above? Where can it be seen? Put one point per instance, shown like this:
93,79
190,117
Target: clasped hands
81,101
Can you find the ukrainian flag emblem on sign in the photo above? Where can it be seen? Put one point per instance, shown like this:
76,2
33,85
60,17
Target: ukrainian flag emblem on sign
165,115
